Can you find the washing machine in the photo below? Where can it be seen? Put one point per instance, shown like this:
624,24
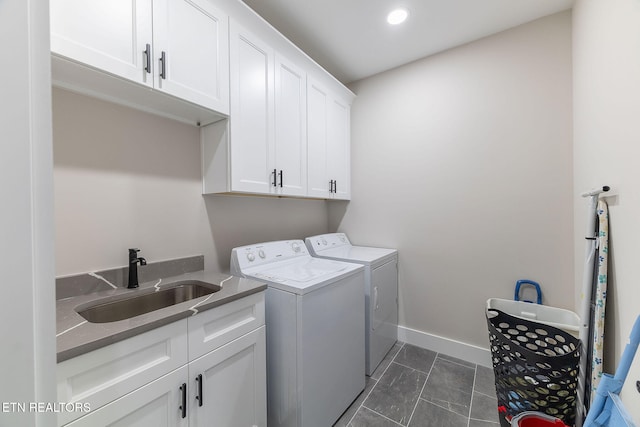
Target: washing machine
314,321
380,290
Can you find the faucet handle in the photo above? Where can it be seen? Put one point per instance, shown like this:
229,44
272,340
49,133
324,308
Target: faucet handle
133,251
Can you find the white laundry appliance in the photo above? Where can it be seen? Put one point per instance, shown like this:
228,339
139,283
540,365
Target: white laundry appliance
381,289
314,322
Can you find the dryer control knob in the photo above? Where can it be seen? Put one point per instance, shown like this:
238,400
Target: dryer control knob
261,254
324,242
251,257
295,246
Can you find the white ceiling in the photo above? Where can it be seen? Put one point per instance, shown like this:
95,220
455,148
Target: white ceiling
352,40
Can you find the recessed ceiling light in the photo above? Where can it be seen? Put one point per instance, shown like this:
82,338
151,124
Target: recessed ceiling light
397,16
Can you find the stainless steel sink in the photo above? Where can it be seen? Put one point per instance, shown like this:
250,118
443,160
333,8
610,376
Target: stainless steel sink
145,301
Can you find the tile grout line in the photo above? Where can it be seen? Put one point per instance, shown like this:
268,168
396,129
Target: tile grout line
386,418
409,367
374,386
473,389
421,390
457,363
440,406
362,404
485,394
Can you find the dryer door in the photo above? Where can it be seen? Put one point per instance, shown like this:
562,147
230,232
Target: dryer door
384,295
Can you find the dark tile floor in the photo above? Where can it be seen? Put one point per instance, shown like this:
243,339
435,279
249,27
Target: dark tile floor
418,387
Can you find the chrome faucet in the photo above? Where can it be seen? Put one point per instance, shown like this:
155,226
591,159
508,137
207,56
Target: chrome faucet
133,267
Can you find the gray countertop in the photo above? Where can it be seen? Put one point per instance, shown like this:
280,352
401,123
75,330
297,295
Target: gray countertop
76,336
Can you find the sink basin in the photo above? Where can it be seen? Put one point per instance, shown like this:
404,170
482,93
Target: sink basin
145,301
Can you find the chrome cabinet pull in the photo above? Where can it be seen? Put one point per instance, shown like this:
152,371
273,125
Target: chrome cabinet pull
281,178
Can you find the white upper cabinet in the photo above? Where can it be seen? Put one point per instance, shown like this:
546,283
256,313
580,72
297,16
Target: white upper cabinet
179,47
264,148
329,143
191,50
291,128
251,113
108,35
273,122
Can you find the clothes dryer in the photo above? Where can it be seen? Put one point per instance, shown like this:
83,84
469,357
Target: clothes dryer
380,290
314,321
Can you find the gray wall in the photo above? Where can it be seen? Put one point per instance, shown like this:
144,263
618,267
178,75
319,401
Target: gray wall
606,151
124,178
462,161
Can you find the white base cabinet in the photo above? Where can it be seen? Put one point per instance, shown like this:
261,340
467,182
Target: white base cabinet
209,369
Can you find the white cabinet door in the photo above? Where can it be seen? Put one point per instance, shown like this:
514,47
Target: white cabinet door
108,35
105,374
328,144
228,385
157,404
251,113
191,51
339,148
180,47
318,184
291,128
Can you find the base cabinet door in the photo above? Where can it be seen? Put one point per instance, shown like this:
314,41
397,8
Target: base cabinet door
229,384
157,404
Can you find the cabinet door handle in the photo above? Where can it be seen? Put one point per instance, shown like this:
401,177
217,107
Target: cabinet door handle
163,65
331,186
275,177
281,177
183,407
335,186
147,56
199,397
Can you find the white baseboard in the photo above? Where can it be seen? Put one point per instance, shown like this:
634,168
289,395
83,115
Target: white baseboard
468,352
